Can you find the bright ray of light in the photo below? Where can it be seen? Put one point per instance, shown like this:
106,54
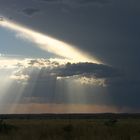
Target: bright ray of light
48,43
18,97
19,88
5,83
8,67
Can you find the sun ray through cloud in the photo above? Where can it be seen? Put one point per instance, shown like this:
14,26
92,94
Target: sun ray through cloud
48,43
27,77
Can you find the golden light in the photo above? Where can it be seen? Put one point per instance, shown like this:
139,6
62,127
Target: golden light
48,43
15,66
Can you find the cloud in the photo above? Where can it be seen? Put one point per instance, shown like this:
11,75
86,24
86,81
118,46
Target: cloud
78,2
57,68
20,77
87,69
30,11
85,72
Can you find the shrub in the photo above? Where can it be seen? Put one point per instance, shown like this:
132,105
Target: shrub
6,128
111,122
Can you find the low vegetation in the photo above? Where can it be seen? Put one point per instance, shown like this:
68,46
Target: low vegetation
70,129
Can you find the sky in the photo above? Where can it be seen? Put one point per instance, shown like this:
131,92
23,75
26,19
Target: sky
69,56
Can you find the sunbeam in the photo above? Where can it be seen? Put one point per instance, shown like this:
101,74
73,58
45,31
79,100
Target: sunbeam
24,79
48,43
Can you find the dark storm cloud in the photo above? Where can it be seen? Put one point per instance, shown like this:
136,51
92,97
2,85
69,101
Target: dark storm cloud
55,68
88,69
30,11
126,94
77,2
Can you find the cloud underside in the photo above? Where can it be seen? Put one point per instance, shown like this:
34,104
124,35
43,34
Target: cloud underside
28,69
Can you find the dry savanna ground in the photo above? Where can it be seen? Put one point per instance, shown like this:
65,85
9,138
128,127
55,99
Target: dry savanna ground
70,129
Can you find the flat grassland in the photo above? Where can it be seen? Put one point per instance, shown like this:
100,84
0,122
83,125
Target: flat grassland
94,128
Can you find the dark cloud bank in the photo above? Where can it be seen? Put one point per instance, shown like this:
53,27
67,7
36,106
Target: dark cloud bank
30,11
77,2
71,69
